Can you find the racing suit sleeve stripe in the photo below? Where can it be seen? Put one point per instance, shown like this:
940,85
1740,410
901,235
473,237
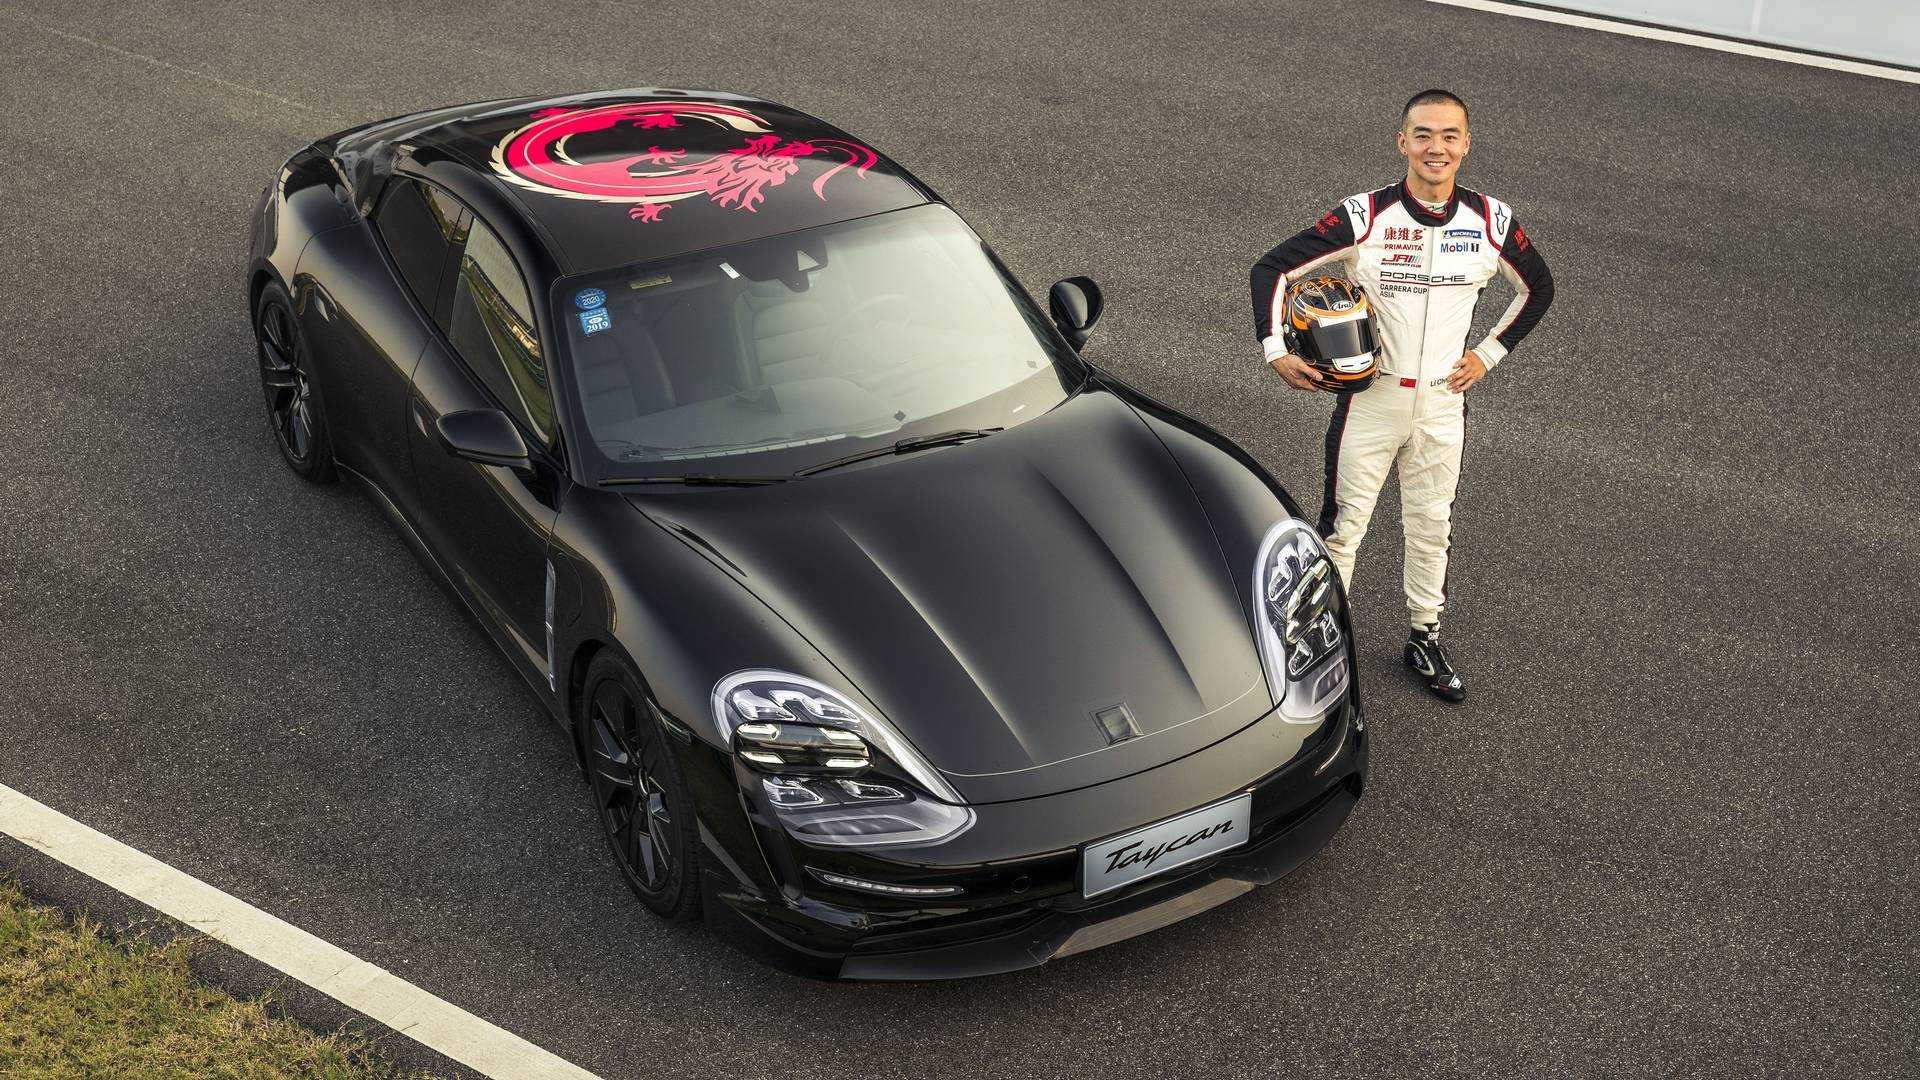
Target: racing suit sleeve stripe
1272,339
1328,239
1523,268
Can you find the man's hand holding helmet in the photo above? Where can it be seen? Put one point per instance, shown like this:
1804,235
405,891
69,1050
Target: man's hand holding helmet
1298,373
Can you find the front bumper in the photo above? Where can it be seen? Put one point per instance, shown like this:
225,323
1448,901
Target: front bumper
1023,906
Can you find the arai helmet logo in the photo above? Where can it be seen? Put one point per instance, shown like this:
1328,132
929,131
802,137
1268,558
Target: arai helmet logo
654,153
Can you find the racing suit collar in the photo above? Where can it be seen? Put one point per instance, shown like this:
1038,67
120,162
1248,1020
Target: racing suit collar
1421,213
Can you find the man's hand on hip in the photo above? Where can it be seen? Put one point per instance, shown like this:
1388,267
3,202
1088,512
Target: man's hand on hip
1467,370
1298,373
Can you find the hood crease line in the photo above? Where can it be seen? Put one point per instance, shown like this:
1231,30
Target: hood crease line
953,649
1133,585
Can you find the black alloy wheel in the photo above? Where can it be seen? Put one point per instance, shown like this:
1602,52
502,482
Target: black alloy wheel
645,808
292,406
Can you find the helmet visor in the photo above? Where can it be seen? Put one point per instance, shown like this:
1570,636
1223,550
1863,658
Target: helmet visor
1333,343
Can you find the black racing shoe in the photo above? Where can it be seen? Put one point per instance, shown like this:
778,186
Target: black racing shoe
1425,657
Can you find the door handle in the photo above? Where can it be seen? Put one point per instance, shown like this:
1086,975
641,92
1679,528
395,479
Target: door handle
419,414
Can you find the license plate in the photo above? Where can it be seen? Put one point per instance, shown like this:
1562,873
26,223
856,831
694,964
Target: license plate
1167,845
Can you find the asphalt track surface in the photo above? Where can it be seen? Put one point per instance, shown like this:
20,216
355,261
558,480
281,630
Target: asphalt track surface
1674,832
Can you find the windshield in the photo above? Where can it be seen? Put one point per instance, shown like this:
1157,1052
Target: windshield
772,355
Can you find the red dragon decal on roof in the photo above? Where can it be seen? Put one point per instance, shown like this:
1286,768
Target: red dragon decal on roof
536,156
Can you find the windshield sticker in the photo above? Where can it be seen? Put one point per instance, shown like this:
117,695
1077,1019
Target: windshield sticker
594,321
724,152
588,299
650,282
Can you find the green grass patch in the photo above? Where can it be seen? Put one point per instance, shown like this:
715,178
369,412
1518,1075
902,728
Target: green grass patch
75,1002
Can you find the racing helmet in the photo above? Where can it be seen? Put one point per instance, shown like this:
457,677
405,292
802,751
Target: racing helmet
1329,324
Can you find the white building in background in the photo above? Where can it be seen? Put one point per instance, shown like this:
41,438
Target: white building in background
1886,31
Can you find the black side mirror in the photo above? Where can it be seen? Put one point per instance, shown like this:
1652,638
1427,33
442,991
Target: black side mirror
486,436
1076,304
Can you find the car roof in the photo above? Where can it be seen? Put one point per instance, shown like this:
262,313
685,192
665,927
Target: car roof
620,177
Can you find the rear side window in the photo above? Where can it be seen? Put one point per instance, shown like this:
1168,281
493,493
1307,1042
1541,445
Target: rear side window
493,328
421,229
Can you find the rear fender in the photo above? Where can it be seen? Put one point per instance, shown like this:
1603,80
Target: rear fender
307,198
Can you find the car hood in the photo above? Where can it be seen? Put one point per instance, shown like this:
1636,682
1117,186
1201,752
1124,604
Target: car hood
990,598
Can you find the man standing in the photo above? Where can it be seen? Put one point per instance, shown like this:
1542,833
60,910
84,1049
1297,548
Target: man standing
1423,249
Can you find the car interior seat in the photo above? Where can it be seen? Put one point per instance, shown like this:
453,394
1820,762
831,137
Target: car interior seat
622,376
784,335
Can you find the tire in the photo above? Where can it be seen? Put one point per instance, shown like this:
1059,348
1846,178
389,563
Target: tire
286,380
627,750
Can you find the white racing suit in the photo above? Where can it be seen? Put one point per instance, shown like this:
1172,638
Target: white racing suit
1423,273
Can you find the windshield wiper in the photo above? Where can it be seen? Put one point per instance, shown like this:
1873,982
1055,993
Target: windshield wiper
903,446
698,480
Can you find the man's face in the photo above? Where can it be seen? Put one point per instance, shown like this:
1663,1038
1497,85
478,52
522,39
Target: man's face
1434,140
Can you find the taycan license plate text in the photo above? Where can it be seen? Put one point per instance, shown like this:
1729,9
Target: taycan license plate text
1158,848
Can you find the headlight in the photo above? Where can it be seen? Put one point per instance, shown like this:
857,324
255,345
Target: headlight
1299,621
833,774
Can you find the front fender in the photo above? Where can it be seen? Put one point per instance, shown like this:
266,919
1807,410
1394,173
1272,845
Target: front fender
628,584
672,608
1239,497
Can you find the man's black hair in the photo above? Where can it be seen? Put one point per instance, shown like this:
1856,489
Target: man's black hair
1431,97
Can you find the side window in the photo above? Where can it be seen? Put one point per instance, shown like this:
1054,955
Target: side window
492,326
421,229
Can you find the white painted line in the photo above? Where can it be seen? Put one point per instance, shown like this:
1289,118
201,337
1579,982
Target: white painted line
167,65
370,990
1681,37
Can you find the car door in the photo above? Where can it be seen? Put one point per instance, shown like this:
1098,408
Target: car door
490,525
368,315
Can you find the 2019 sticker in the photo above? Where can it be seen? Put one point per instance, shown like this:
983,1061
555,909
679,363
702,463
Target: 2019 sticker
592,322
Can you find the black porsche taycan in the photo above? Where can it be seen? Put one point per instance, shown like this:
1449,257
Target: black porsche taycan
893,636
